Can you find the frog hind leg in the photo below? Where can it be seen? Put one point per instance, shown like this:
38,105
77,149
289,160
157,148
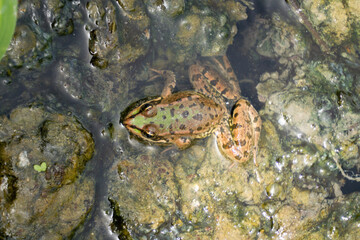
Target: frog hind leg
226,144
245,127
170,81
210,82
228,71
231,74
238,138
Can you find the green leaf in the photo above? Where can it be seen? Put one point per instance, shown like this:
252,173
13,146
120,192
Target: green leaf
8,9
41,168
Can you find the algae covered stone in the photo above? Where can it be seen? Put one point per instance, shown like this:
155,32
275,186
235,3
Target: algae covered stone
43,156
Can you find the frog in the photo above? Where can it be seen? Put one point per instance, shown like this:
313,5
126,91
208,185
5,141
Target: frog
181,117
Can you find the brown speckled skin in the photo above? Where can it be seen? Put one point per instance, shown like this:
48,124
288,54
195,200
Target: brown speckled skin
180,117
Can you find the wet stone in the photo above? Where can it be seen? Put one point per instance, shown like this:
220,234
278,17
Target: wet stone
43,156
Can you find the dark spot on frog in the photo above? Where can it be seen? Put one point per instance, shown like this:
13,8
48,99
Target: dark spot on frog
229,70
256,119
206,69
184,139
227,145
199,128
182,127
181,106
211,116
161,125
170,127
214,82
222,130
224,91
207,124
238,157
196,77
207,88
197,117
192,105
236,114
189,98
237,125
246,153
257,129
172,132
162,109
237,105
185,114
202,105
172,112
242,142
164,117
191,131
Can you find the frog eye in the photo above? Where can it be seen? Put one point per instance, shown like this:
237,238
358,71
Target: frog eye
149,131
148,110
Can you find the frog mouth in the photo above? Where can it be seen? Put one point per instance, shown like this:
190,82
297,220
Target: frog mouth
127,123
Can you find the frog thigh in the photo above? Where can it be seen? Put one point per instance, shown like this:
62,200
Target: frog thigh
228,71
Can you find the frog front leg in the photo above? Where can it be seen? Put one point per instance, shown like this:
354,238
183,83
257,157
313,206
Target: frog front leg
170,81
182,142
239,137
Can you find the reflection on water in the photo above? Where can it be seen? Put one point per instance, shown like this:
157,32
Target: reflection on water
83,63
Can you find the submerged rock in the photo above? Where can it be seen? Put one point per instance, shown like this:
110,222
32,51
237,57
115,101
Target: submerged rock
192,28
37,25
43,192
143,189
333,24
119,32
